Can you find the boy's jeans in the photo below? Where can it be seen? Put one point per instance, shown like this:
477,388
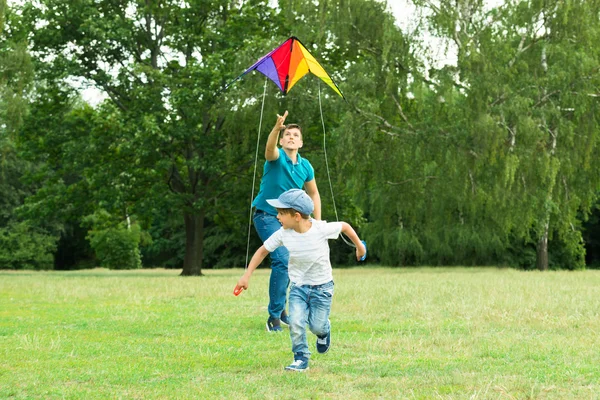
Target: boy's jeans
309,305
265,225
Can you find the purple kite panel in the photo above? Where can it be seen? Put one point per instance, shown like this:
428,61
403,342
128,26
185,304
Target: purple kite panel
267,68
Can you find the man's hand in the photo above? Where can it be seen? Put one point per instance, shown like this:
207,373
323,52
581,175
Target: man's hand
280,124
271,152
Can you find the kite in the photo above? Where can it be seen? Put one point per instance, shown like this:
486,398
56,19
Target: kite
289,62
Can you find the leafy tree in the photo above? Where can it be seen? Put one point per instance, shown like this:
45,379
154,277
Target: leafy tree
16,75
489,161
493,152
530,68
160,139
22,245
56,136
117,247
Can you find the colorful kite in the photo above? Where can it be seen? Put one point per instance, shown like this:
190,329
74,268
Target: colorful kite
287,64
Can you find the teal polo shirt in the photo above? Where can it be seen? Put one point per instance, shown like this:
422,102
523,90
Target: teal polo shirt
281,175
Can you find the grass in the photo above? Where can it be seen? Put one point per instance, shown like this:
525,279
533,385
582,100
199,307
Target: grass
445,333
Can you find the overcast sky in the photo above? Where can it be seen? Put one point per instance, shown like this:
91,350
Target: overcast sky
402,10
442,52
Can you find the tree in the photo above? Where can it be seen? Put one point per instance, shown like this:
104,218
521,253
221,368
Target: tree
22,245
530,68
495,150
160,138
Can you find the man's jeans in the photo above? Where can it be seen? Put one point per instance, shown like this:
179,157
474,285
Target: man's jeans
309,305
265,225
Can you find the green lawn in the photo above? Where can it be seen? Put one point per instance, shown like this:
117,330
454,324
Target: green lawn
460,333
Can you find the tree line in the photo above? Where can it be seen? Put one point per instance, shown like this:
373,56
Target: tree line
492,160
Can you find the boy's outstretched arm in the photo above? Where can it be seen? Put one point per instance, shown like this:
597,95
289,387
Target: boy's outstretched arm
353,236
257,258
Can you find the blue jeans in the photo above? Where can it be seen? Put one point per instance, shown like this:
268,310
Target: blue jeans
309,305
265,225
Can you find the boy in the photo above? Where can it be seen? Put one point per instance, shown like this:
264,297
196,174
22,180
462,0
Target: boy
309,269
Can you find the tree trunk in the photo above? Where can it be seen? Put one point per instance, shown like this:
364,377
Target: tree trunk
542,250
542,246
194,244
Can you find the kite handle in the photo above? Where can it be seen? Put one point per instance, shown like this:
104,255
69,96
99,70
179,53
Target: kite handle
363,258
237,290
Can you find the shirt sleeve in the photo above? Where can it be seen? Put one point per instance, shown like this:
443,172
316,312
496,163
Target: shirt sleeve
272,163
274,241
331,230
310,174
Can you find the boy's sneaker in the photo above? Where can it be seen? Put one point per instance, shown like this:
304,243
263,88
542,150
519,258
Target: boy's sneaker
285,318
297,366
324,343
273,325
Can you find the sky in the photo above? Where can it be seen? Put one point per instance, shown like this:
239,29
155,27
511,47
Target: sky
402,10
441,52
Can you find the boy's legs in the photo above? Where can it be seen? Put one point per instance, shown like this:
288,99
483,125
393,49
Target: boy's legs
299,297
265,225
319,309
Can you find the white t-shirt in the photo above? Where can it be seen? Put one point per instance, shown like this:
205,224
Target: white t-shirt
309,251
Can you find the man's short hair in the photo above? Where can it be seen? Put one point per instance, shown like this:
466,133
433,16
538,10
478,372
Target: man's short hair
291,126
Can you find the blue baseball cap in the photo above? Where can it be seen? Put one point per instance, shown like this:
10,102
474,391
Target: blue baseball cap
296,199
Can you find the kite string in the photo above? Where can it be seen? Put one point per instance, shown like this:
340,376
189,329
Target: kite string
262,108
348,242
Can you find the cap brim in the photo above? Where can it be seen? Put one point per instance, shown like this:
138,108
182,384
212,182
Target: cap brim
277,204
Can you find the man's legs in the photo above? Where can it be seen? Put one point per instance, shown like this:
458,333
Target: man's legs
265,225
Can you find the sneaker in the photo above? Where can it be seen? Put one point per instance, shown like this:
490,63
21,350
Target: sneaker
273,325
285,318
298,366
323,343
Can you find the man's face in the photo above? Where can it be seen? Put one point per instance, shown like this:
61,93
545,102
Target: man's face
291,139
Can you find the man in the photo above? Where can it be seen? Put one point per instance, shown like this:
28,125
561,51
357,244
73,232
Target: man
284,169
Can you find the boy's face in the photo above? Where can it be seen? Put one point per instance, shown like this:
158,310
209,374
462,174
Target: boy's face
287,221
291,139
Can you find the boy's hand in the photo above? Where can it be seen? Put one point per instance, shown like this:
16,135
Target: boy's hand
361,251
237,290
242,284
280,124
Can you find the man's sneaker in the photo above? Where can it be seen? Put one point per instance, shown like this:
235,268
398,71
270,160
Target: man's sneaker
324,343
285,318
298,366
273,325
